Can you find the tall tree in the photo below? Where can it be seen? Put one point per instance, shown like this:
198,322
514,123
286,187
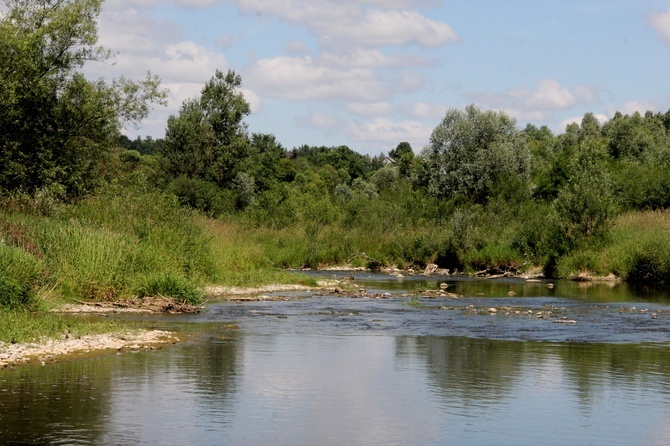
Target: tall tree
56,126
209,140
471,150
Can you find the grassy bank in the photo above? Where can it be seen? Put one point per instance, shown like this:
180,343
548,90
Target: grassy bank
637,250
124,242
132,242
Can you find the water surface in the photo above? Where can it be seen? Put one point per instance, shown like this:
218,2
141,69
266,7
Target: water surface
326,369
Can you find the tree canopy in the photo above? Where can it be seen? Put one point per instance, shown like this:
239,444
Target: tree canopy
208,140
57,126
471,150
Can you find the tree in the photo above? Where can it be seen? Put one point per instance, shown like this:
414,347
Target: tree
57,127
208,140
404,148
585,206
403,155
638,139
471,150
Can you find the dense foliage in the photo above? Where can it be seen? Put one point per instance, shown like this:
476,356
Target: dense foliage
89,213
56,126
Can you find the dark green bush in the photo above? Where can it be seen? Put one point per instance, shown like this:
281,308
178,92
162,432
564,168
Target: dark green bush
171,285
651,264
20,275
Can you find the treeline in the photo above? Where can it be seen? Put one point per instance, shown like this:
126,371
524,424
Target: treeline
483,194
556,193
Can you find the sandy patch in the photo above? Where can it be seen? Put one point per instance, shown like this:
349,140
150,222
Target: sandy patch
223,291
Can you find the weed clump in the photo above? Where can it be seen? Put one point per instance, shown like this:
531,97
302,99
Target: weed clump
170,285
20,275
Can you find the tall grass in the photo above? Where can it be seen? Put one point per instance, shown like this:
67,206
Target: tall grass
20,277
123,242
638,250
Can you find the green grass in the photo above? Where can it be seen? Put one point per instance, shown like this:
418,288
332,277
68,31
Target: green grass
637,250
121,243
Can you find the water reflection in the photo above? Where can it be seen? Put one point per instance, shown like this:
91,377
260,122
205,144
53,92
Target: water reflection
36,402
333,370
368,389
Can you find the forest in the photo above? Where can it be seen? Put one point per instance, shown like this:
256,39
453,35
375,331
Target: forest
87,213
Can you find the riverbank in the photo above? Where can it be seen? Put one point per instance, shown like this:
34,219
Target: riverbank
53,350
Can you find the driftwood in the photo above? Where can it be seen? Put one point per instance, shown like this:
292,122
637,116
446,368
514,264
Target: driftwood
154,304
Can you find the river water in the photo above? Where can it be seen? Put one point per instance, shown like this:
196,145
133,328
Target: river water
508,363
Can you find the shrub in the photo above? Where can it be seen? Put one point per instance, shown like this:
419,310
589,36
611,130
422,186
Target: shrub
170,285
20,275
650,264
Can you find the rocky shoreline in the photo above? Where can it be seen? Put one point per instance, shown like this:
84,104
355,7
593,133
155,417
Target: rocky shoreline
52,350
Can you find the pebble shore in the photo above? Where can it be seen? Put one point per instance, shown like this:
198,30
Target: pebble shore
52,350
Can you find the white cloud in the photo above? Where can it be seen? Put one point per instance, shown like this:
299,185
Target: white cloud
382,132
660,21
375,27
307,78
549,95
253,99
323,121
296,47
128,31
145,44
428,111
578,120
336,22
370,108
536,104
631,107
369,58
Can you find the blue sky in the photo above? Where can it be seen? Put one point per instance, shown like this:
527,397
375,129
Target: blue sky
372,73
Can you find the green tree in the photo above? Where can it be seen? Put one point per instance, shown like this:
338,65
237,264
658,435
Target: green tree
471,150
585,206
404,148
209,140
636,138
268,163
57,127
403,155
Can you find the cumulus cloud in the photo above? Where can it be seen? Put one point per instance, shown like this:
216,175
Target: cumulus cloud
631,107
370,108
323,121
538,103
144,44
369,58
660,21
549,95
428,111
383,132
297,47
308,78
578,120
371,23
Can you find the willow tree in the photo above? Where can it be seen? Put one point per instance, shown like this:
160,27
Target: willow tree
472,152
56,126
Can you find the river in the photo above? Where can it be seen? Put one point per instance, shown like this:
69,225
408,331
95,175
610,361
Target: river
508,363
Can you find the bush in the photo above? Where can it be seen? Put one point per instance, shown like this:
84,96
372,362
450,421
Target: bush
20,276
650,264
170,285
201,195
